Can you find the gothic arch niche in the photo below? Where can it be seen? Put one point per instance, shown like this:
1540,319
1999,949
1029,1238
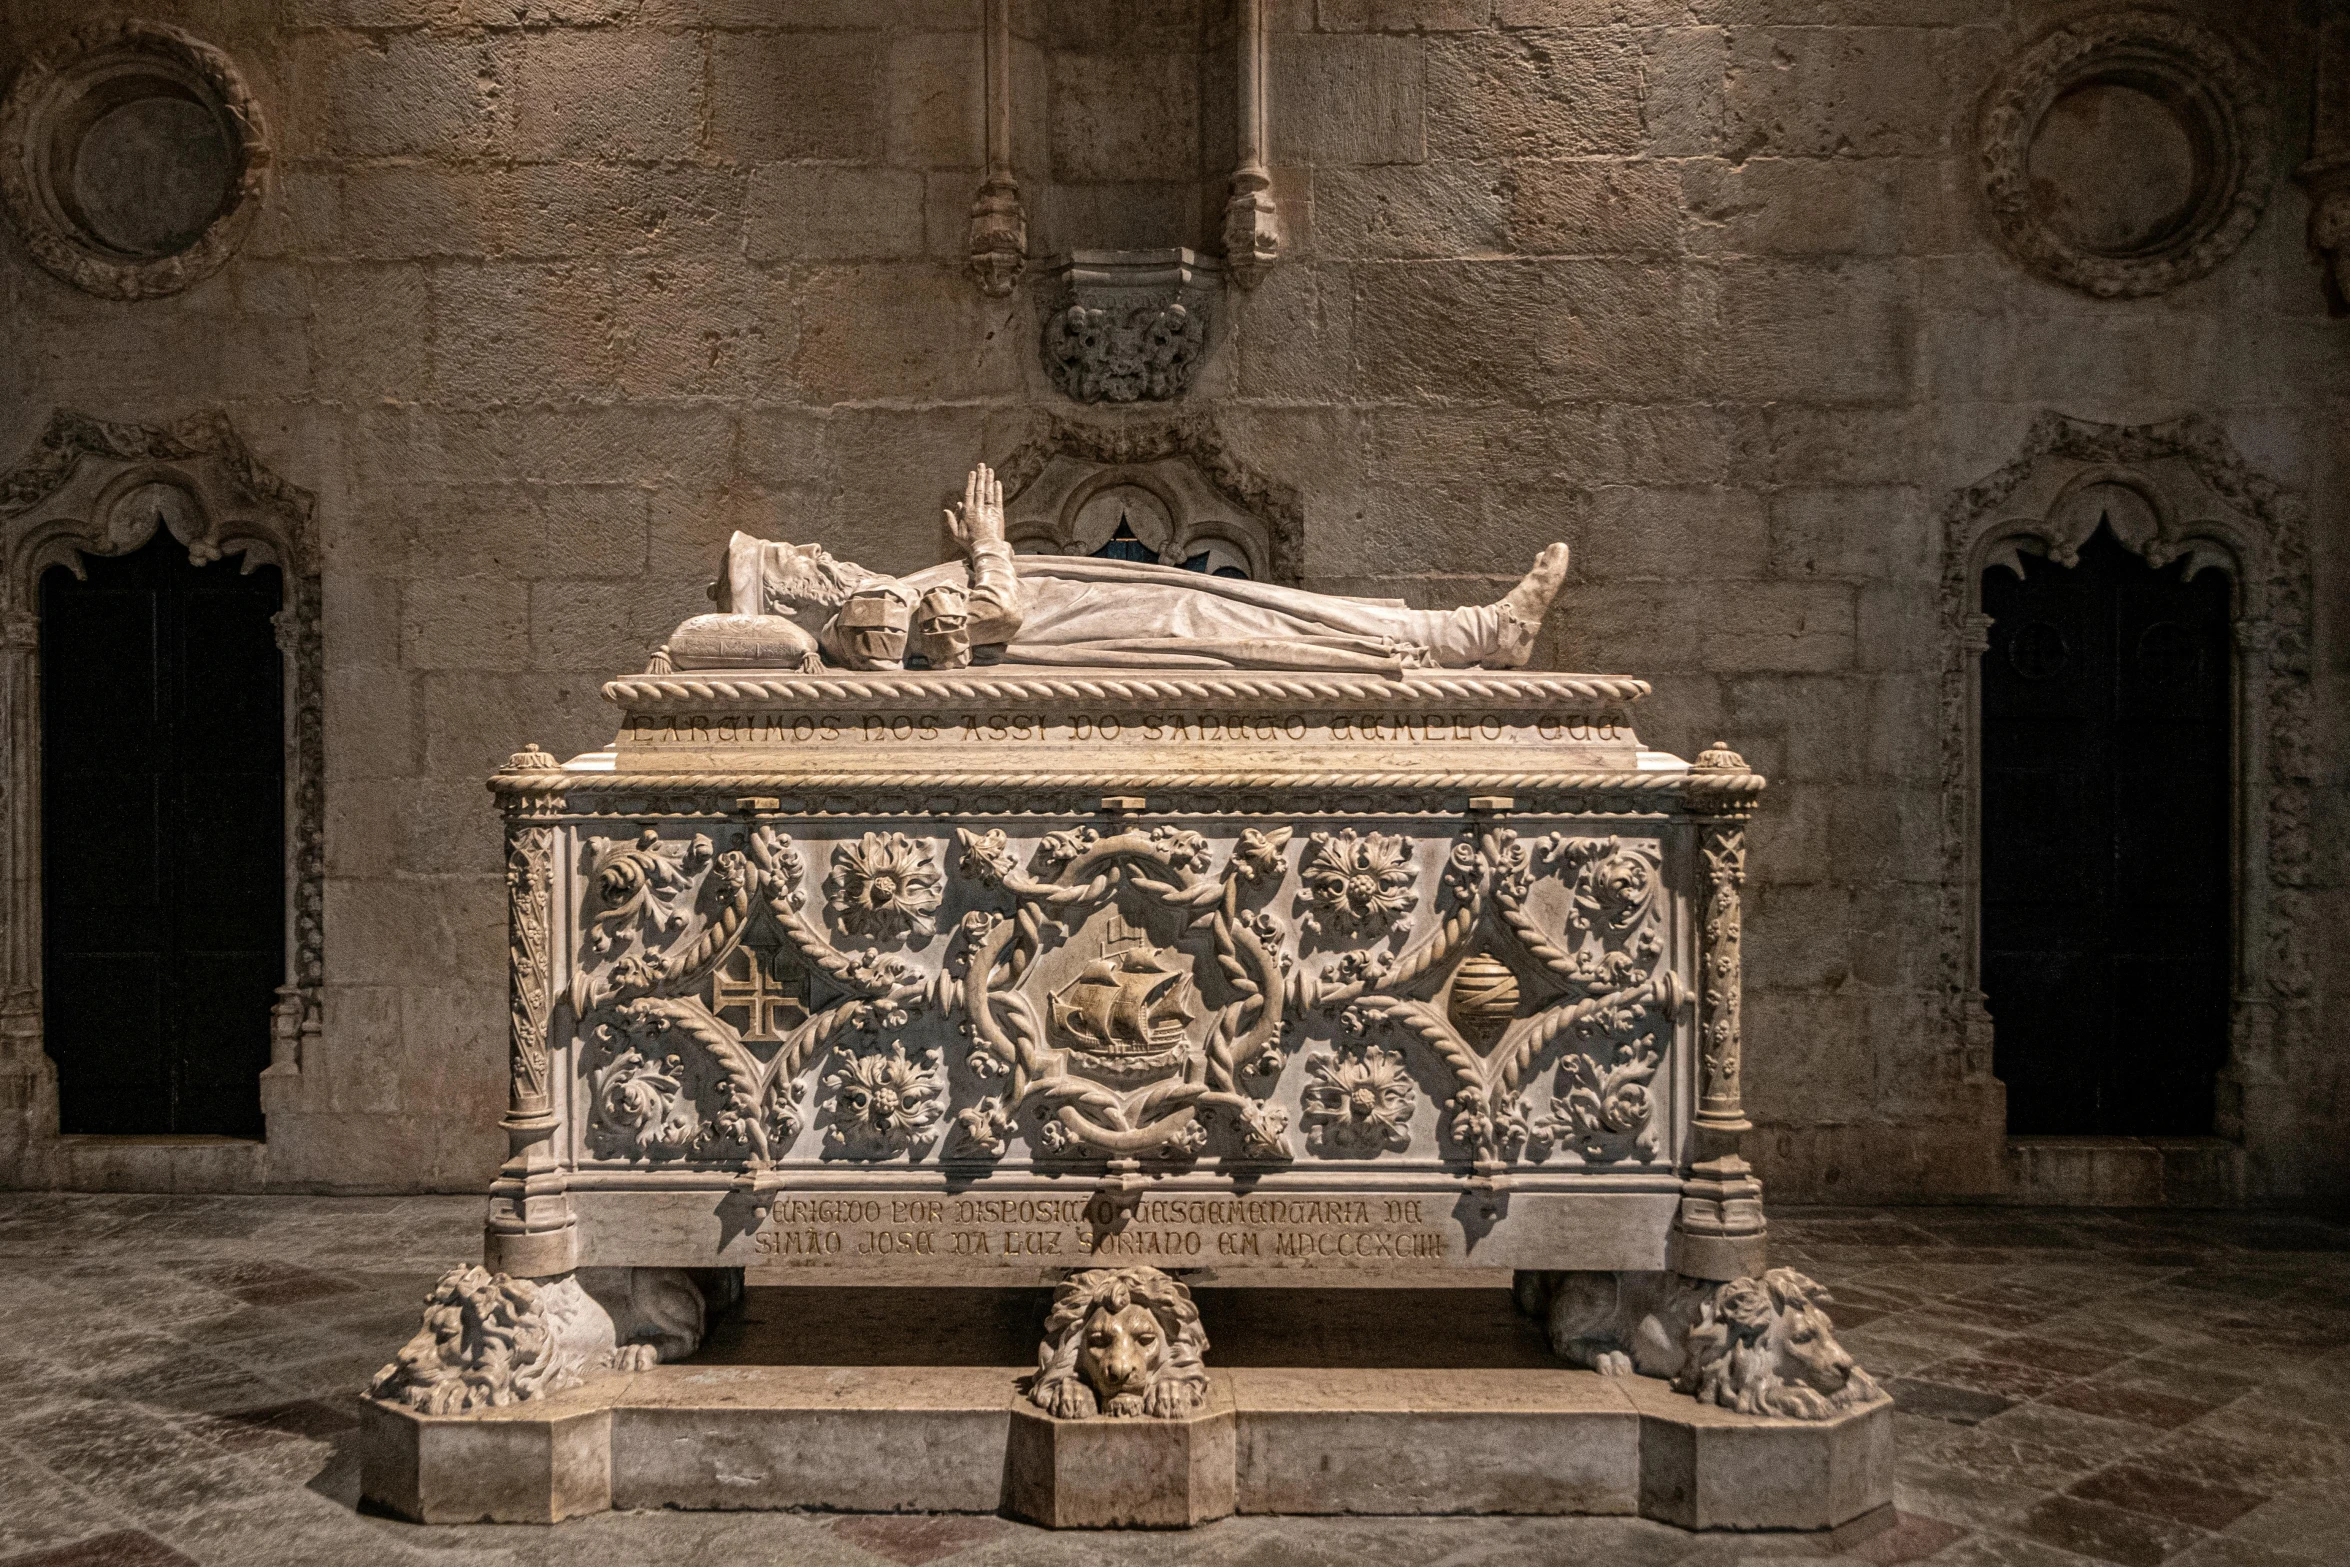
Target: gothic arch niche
95,489
2167,493
1167,490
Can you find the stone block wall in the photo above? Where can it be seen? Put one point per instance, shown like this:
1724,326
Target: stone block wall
549,295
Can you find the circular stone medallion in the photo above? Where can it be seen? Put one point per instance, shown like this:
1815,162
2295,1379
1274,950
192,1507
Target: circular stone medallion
2126,154
131,158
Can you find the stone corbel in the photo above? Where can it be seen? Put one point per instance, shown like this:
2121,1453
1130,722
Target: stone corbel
999,222
1252,222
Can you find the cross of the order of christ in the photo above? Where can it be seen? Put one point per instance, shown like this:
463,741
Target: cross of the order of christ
771,999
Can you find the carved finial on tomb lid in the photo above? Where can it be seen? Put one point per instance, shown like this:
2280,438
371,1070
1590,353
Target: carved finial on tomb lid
1718,757
531,759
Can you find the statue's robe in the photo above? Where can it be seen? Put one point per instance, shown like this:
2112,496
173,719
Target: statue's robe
1094,613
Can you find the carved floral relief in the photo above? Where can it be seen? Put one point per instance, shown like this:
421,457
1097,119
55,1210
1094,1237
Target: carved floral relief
1360,1104
1125,991
884,886
1356,883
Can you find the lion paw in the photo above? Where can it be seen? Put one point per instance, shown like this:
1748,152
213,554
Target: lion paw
1612,1363
635,1357
1170,1400
1068,1399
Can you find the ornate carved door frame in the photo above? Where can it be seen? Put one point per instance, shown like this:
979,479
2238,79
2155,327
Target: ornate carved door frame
2169,491
89,487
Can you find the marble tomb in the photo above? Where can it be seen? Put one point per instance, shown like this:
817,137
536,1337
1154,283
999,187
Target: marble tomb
1047,921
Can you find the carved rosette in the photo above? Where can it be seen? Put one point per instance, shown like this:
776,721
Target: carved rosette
884,1105
884,886
1359,1105
1356,883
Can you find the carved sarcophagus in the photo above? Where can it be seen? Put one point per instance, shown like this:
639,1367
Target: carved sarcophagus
984,974
1094,922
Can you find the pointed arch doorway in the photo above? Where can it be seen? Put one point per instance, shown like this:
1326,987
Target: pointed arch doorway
163,838
2106,843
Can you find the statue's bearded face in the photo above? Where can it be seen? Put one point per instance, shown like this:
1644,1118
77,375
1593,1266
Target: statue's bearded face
804,582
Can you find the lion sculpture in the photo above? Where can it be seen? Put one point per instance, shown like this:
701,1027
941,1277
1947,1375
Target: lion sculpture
489,1340
1759,1346
1121,1341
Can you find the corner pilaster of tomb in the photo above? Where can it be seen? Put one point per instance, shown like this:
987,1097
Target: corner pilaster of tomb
531,1231
1720,1232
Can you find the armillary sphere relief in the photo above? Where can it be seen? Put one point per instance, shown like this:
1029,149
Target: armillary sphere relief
741,998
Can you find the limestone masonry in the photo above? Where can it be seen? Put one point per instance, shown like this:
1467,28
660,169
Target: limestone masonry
492,323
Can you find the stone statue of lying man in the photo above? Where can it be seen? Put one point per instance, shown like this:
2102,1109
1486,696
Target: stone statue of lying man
793,606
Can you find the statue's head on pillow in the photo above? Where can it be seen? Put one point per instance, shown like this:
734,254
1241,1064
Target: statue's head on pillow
1123,1341
1765,1347
803,583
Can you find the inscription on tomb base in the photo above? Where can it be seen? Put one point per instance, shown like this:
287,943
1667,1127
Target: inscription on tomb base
1166,1232
655,731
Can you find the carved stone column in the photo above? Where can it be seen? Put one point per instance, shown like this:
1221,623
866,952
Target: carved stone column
28,1078
531,1232
1252,223
999,222
1721,1230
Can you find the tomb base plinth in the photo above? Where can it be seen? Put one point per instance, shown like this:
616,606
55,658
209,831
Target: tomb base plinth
1270,1440
1106,1473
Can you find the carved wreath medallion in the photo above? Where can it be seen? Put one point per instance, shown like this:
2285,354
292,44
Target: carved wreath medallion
2223,117
1122,996
123,95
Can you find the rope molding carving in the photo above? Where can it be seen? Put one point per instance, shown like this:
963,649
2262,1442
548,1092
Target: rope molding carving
1725,785
669,693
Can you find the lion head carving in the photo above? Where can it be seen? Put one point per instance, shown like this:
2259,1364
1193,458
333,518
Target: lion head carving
1123,1341
1764,1347
487,1340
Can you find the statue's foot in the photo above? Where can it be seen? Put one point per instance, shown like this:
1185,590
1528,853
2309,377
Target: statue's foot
1530,600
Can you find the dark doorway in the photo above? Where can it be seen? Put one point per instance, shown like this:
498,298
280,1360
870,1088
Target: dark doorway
2106,896
162,840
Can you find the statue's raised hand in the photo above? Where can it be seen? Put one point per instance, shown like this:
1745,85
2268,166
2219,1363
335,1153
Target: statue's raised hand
980,517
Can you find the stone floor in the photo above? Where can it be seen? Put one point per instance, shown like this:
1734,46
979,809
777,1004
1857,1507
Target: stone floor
177,1377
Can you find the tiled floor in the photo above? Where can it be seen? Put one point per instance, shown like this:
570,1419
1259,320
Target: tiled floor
177,1376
